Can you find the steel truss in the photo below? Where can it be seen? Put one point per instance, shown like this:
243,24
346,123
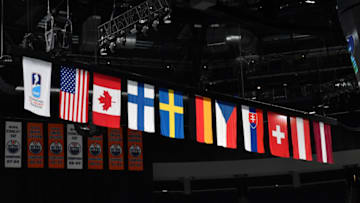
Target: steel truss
122,23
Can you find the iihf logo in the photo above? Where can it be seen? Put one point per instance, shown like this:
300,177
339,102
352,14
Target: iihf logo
56,147
74,148
135,150
115,149
13,146
35,147
95,149
36,85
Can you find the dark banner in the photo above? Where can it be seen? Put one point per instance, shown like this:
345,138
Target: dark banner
56,145
95,152
135,151
35,145
115,149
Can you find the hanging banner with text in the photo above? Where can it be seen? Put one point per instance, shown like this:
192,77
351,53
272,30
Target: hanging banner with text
74,148
13,144
56,145
115,149
95,154
35,145
135,151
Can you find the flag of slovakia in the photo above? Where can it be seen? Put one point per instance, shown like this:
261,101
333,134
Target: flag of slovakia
253,128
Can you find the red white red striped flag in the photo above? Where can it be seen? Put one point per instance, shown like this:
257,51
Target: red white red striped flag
300,133
74,94
322,135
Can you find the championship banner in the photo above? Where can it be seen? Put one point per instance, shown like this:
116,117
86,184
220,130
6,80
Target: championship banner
56,145
13,144
135,151
35,145
115,149
95,154
74,148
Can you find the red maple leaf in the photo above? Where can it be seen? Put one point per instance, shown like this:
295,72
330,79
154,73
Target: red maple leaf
105,100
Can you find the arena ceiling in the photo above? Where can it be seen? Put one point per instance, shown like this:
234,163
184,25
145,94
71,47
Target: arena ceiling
291,52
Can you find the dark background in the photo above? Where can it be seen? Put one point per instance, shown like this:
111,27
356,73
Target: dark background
292,53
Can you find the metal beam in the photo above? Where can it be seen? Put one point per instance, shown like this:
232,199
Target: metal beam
121,23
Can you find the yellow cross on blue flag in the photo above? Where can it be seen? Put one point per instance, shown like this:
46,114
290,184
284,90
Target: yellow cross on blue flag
171,113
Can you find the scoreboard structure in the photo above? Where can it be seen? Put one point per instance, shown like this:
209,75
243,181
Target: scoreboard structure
349,16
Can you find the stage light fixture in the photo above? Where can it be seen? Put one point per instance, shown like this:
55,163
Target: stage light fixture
144,29
112,47
103,51
142,21
133,30
121,40
155,24
167,19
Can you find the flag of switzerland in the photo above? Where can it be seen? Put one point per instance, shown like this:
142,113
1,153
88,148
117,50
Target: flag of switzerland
278,136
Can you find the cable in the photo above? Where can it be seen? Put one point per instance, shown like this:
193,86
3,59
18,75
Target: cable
2,29
67,9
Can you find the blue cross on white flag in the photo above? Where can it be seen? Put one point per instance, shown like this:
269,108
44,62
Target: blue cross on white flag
140,106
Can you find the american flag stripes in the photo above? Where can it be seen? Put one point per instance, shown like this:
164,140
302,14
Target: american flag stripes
74,97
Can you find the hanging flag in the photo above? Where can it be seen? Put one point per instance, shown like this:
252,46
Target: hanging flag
204,132
56,145
141,106
253,127
226,124
74,94
37,84
106,101
74,148
115,148
135,151
323,142
13,144
278,135
95,152
35,145
300,134
171,113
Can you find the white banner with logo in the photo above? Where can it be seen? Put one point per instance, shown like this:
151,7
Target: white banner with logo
13,144
37,84
74,148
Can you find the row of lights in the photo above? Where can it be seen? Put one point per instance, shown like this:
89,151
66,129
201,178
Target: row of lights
142,26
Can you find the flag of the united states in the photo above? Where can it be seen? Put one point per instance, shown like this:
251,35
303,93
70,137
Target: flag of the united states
74,94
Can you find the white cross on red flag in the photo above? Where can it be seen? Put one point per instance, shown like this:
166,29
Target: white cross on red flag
278,135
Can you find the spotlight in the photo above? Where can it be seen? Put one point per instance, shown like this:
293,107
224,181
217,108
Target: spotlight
167,19
144,29
155,24
121,40
103,51
142,21
133,30
112,47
